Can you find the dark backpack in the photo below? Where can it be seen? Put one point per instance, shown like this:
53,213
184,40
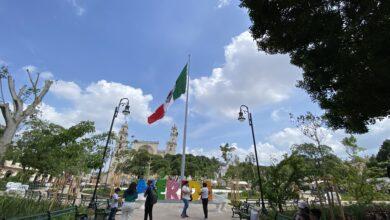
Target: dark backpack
153,195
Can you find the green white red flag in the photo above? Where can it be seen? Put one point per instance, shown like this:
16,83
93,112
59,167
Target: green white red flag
175,93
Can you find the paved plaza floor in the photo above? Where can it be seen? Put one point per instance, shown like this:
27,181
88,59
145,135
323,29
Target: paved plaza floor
168,211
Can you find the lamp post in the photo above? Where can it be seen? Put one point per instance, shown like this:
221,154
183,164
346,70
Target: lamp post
245,109
123,102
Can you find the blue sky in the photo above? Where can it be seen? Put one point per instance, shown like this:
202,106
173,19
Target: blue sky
100,51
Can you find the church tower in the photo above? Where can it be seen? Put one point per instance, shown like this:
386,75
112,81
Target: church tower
121,145
172,143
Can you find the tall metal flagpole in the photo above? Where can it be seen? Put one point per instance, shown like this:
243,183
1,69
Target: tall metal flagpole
183,157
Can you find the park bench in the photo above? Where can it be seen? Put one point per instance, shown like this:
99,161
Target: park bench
71,211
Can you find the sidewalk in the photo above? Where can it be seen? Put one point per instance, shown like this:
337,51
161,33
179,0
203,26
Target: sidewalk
168,211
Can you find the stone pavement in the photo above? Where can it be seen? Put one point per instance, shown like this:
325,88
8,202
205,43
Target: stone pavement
170,211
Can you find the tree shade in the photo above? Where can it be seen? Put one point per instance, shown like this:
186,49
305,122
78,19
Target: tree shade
343,48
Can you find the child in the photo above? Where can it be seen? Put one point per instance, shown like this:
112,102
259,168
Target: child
114,205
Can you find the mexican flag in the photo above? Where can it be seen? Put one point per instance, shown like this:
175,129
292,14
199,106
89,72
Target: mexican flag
175,93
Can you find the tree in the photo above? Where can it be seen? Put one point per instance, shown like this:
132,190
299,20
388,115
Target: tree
313,127
226,152
50,149
137,163
283,179
357,174
343,48
351,147
384,152
19,112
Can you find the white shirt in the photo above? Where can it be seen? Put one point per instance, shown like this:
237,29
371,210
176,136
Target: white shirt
204,193
185,192
115,197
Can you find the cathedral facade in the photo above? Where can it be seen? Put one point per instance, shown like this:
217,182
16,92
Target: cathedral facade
122,144
152,146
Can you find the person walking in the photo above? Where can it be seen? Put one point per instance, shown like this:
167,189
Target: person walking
185,196
150,200
114,204
204,195
129,196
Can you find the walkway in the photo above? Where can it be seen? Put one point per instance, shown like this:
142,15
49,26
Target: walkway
169,211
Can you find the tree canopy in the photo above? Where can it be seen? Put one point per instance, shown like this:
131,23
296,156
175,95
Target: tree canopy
137,162
51,149
343,48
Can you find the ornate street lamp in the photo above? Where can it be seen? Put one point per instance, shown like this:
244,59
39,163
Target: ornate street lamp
245,110
123,102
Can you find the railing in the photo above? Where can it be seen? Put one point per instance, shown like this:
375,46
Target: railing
52,214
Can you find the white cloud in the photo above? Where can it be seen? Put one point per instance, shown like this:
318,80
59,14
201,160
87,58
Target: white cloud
46,75
76,5
279,114
290,136
248,77
96,102
380,127
222,3
267,153
30,68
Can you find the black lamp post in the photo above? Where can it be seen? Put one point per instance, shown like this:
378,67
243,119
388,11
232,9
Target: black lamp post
123,102
245,109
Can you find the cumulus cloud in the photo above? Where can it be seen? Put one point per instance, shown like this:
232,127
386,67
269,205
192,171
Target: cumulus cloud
248,77
96,102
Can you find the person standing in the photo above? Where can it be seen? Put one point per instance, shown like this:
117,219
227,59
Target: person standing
204,195
114,204
185,196
149,202
129,196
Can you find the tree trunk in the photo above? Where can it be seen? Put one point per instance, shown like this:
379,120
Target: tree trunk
13,117
7,136
339,202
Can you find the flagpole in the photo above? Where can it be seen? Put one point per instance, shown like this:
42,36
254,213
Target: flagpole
183,157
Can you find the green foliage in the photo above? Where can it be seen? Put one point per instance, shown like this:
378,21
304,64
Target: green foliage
52,149
137,163
384,152
283,180
226,152
15,206
343,48
244,171
351,146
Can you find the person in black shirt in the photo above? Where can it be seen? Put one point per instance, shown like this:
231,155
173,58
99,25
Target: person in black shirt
149,201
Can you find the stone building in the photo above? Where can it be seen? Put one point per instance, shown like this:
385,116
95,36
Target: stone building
122,143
